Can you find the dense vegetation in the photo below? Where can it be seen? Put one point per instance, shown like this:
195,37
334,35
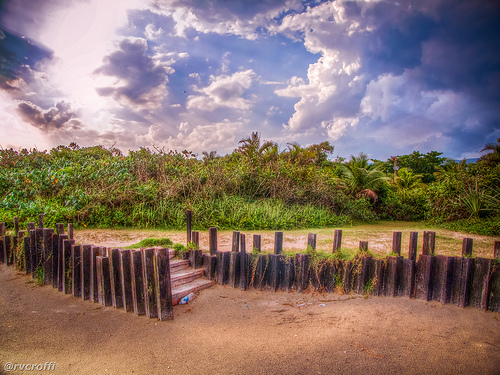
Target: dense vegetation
258,186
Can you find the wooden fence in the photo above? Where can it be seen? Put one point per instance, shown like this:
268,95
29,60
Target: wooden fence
135,280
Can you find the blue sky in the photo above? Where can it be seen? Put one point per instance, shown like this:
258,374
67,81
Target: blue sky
381,77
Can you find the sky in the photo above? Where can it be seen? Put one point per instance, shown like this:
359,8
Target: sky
381,77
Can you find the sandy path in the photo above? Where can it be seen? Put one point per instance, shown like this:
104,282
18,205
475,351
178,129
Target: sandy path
226,331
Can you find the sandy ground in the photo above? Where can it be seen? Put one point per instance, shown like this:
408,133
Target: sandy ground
226,331
379,237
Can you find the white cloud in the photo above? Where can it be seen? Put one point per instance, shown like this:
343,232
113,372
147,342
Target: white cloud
224,91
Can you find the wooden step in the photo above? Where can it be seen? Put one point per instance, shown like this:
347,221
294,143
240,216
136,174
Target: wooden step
181,291
185,276
177,265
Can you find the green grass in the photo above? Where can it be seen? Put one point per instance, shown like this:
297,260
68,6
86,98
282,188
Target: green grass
151,242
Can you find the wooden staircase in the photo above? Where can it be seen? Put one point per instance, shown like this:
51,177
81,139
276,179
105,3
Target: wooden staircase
185,280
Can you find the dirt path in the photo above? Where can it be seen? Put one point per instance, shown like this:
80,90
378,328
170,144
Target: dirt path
226,331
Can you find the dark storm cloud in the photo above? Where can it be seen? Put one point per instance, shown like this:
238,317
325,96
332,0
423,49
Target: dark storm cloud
140,73
61,115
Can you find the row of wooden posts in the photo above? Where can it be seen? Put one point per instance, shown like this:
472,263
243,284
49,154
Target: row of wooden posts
135,280
462,281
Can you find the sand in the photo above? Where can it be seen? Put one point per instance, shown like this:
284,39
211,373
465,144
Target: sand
227,331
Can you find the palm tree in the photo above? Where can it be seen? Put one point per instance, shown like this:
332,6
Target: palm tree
363,178
407,180
492,158
252,148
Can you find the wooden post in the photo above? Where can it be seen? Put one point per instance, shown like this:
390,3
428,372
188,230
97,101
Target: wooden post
47,255
423,277
40,221
27,253
16,225
244,271
195,238
148,279
55,260
412,252
137,282
363,246
94,253
222,271
188,225
429,243
311,240
60,228
114,276
163,288
212,239
302,267
66,266
70,231
30,226
103,282
76,271
257,242
6,250
234,269
61,266
278,242
260,272
288,279
496,253
461,281
126,279
467,247
480,286
85,254
396,243
442,278
39,262
337,240
32,252
236,242
2,229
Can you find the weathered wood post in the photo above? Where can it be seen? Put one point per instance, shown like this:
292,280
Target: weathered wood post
257,242
363,246
70,231
275,271
188,225
244,263
212,240
234,268
76,270
137,282
302,269
60,267
442,278
40,221
311,240
396,243
39,262
16,225
496,252
32,252
2,251
60,228
27,253
6,250
126,280
116,284
85,254
2,229
423,277
94,253
163,287
148,278
480,285
278,242
467,247
55,260
66,265
429,243
47,255
103,281
412,252
337,240
195,238
235,247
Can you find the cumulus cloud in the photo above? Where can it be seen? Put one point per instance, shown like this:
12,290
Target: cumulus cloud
59,116
223,91
140,79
